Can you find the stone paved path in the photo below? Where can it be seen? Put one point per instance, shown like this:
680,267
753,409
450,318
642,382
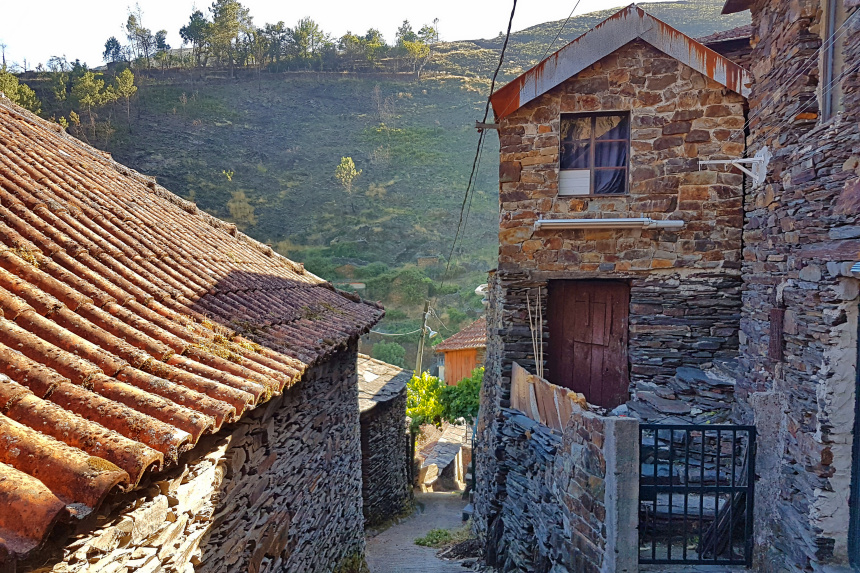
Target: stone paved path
394,550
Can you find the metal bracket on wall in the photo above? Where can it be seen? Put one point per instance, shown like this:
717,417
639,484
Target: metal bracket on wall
758,164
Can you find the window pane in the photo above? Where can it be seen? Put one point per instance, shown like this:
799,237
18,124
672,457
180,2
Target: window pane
609,181
575,128
612,154
575,155
612,127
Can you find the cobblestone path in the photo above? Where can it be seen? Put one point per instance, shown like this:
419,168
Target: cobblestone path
394,550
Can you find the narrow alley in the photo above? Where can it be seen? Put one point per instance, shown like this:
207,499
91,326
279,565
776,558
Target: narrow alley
394,550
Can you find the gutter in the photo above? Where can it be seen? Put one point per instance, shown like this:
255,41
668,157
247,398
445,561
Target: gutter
625,223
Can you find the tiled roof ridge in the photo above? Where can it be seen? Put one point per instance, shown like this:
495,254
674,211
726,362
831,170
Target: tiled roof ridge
736,33
473,336
131,324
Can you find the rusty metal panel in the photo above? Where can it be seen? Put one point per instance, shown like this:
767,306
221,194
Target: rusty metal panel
606,37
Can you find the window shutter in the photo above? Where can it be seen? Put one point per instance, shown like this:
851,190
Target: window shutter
574,182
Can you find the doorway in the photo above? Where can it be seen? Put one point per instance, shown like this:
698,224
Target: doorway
588,322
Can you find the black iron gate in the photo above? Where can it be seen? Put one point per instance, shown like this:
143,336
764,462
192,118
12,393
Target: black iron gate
696,493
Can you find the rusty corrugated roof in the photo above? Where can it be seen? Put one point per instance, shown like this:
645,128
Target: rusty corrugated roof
473,336
606,37
131,323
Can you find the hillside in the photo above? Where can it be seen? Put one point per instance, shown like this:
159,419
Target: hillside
261,150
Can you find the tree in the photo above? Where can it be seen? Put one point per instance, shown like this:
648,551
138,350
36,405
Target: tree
89,91
141,39
423,402
196,32
277,38
113,50
346,173
229,18
405,33
419,54
17,92
390,352
125,88
374,45
305,40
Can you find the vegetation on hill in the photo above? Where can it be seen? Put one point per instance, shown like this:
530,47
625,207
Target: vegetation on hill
229,121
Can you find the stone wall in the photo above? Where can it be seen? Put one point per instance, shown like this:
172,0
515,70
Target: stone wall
678,116
798,342
385,460
280,490
570,502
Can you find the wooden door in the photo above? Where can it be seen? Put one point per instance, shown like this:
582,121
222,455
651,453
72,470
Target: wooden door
588,339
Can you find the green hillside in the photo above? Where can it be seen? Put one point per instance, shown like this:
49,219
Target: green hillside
261,150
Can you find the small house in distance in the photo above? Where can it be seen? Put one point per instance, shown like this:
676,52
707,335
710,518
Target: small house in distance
463,352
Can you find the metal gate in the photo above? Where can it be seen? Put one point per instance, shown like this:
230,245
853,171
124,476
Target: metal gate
696,491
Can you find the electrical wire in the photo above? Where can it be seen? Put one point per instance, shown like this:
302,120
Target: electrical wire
831,40
395,333
558,34
476,160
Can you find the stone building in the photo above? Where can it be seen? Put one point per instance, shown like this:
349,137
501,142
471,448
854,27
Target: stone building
613,239
386,443
174,396
797,379
463,352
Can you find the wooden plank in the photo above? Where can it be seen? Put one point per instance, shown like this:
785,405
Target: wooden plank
550,413
534,411
519,388
774,347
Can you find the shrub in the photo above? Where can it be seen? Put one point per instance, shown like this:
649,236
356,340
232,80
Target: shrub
390,352
423,400
462,400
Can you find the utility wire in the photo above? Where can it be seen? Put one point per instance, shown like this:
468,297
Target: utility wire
558,34
476,160
831,40
395,333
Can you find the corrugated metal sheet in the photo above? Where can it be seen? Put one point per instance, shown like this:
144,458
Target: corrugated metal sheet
131,324
608,36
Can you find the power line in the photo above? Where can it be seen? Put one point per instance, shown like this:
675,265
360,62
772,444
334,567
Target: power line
563,26
395,333
476,160
831,40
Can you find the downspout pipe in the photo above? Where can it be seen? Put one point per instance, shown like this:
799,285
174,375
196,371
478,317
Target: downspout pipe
624,223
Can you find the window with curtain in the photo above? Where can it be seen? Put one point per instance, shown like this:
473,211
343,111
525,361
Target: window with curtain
594,154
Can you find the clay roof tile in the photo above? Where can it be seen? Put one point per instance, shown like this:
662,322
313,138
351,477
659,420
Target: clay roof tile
131,324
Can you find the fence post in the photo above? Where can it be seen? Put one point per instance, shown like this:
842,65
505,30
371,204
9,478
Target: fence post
621,448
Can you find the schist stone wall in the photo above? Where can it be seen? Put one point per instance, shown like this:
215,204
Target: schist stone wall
385,460
279,490
567,502
685,285
798,343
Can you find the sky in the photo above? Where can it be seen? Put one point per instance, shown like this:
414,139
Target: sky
35,30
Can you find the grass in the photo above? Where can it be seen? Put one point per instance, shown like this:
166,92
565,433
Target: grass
439,538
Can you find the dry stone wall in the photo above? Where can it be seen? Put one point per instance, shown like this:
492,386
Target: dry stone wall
279,490
569,500
798,344
385,460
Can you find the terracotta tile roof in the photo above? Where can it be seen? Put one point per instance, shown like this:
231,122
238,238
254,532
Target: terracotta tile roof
473,336
739,33
379,381
131,323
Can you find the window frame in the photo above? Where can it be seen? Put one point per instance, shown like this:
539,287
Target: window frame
832,63
593,115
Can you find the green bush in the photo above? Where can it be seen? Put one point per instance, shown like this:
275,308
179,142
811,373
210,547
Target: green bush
423,400
390,352
370,271
462,400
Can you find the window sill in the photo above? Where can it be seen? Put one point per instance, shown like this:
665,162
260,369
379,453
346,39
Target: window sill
594,196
